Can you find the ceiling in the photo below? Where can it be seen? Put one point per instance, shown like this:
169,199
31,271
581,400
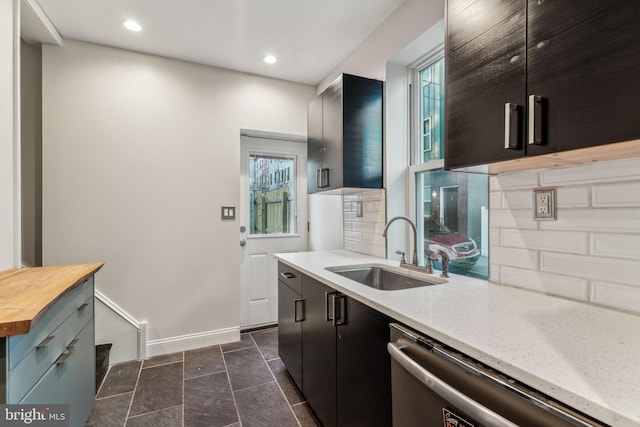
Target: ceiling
309,37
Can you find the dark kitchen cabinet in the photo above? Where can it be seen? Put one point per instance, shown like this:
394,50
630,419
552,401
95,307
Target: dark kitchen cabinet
363,365
319,351
529,77
291,312
344,131
346,374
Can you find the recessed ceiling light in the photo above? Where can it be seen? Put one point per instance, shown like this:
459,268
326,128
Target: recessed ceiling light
270,59
132,26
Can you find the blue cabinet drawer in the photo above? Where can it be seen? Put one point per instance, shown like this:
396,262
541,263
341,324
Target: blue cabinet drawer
26,373
71,382
19,346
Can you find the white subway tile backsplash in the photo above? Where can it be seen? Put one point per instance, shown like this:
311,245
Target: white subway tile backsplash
518,200
353,236
512,219
514,181
591,267
616,245
559,241
495,200
568,287
617,195
621,170
513,257
364,234
616,295
621,220
573,197
591,252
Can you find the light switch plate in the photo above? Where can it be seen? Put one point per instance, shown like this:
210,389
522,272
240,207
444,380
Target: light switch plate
228,212
544,204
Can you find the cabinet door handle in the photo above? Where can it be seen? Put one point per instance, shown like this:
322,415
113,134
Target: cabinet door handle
329,314
318,178
535,120
83,306
64,357
296,317
287,275
511,126
340,310
45,342
72,344
325,177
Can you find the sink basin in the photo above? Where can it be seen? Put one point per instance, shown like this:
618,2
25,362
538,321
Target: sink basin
384,278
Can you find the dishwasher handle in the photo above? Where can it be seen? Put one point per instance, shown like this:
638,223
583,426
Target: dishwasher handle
447,392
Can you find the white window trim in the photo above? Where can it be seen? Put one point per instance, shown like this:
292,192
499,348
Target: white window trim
414,170
415,114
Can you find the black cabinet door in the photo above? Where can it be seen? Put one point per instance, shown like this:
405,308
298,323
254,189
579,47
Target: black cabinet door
584,61
362,132
363,366
314,144
485,69
319,351
290,317
332,133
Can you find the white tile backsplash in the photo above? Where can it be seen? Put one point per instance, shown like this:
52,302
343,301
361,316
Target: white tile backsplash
363,234
590,253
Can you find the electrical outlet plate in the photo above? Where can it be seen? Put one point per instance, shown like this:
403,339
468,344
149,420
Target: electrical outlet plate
544,204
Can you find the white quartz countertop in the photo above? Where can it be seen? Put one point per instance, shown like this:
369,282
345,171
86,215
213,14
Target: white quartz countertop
584,356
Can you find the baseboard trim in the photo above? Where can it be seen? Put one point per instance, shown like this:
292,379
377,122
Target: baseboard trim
192,341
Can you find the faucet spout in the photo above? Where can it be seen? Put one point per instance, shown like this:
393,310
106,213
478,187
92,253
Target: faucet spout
415,235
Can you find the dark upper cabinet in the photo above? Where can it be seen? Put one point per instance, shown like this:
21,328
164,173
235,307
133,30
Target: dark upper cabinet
345,136
528,78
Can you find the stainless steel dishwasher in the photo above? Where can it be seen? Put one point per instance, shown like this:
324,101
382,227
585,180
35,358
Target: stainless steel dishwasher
432,385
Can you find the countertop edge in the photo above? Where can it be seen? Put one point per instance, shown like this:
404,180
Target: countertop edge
24,326
569,397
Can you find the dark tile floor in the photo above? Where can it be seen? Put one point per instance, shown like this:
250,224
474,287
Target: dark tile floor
238,384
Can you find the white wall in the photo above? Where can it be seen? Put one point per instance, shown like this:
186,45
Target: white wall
9,184
139,154
591,253
405,24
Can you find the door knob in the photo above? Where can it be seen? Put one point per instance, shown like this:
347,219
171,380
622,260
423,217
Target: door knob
243,242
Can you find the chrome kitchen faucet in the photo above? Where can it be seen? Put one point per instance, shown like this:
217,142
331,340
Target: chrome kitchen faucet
414,261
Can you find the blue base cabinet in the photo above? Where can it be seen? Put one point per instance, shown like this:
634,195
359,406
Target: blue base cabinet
55,362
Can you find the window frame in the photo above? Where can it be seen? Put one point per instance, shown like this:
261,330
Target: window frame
417,166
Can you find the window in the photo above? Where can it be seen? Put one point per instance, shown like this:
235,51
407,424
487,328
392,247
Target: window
451,207
271,194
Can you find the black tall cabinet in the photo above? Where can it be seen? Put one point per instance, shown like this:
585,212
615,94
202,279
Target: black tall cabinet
530,77
344,132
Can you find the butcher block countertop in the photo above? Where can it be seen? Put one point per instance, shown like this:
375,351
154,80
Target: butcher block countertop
584,356
27,293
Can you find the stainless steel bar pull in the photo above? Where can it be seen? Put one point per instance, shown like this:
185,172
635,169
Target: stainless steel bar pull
318,178
511,126
535,120
447,392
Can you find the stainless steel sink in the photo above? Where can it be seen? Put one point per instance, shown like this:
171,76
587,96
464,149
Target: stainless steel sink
383,278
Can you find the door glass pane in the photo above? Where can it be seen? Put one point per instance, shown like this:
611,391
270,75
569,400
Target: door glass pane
272,194
432,111
455,219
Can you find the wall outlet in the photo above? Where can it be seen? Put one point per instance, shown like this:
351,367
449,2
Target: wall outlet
544,204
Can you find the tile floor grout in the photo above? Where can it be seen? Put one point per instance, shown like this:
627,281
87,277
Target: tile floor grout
253,398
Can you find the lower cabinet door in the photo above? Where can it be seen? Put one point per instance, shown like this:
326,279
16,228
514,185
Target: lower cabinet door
319,350
363,366
71,382
290,317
